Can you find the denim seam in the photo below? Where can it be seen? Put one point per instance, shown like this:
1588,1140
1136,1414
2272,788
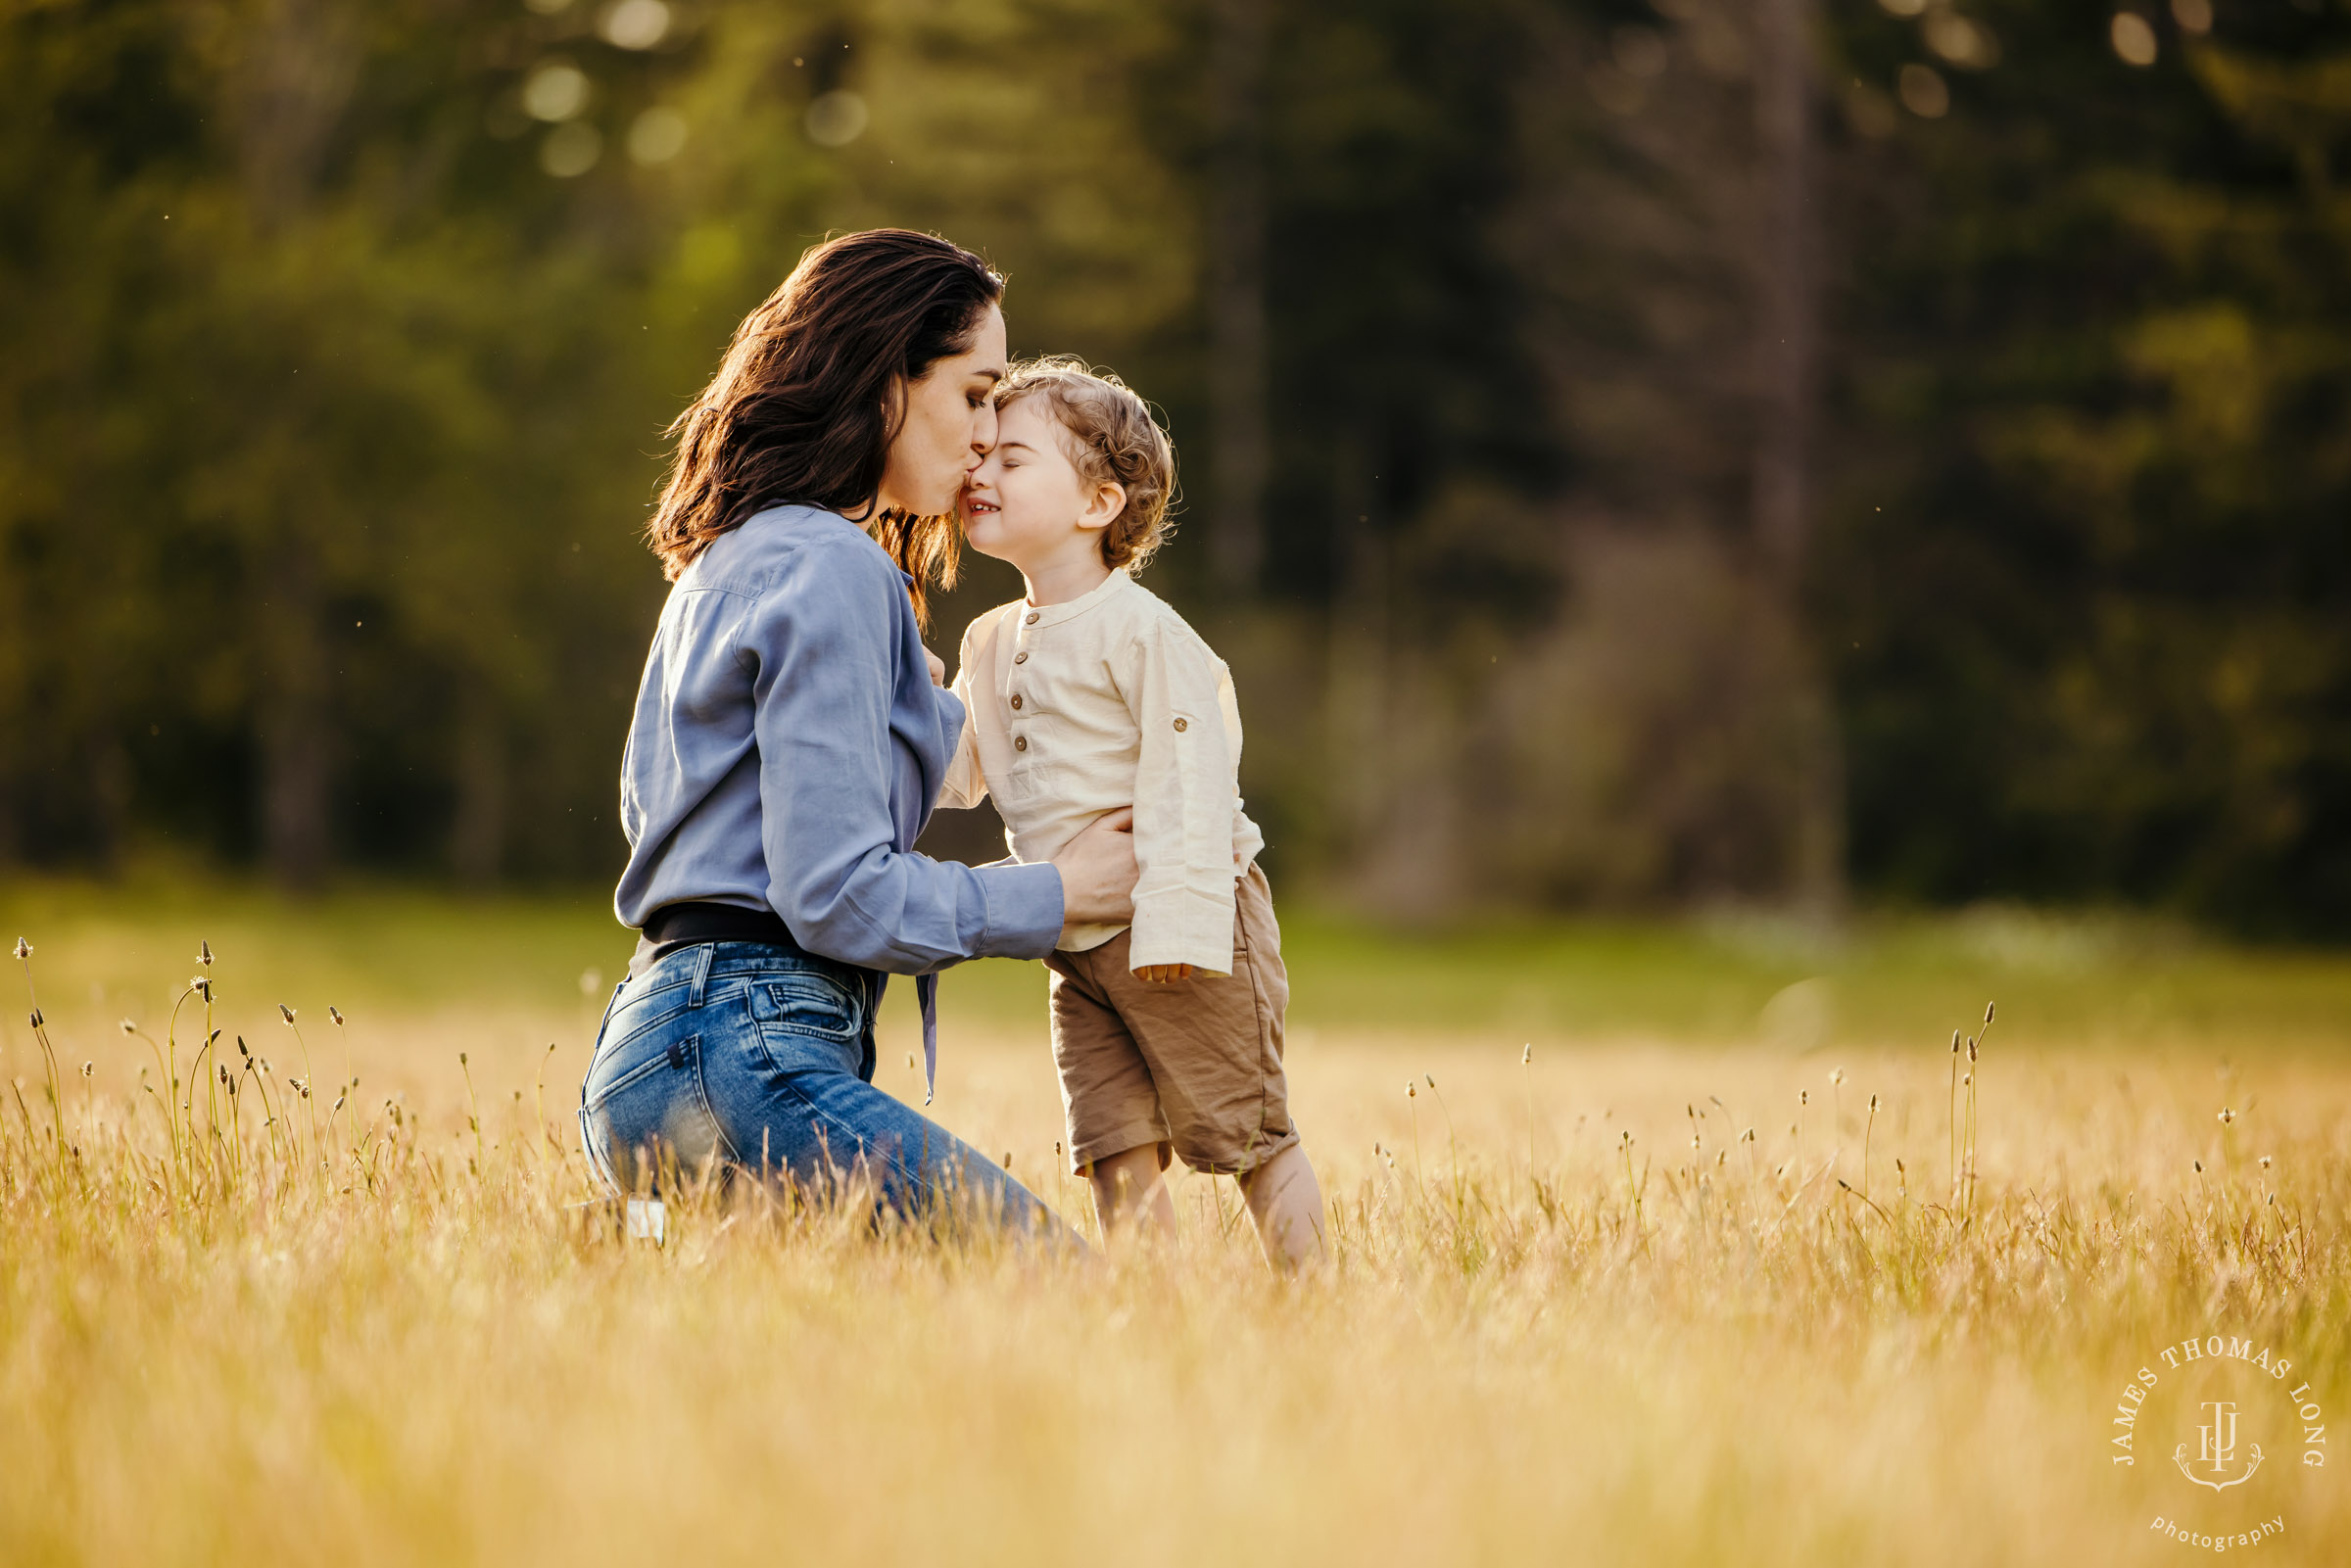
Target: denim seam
631,1078
638,1029
702,1097
852,1006
759,1034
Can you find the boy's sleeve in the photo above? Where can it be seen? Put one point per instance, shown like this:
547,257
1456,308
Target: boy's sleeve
1184,801
966,786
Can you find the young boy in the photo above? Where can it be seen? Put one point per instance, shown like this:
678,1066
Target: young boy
1091,694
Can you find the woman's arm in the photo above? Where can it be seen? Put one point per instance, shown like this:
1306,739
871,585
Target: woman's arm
825,638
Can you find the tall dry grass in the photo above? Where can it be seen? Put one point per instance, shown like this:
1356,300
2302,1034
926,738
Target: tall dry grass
1633,1302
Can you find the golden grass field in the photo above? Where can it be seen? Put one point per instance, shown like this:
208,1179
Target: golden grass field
387,1340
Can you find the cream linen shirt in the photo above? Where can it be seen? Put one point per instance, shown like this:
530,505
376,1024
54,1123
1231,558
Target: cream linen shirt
1112,700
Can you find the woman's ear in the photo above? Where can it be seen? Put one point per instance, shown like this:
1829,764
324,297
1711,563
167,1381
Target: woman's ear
1103,507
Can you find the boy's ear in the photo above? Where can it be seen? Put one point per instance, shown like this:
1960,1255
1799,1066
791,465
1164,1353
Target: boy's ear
1103,507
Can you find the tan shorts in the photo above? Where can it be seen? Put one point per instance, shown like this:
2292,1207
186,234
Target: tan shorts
1194,1066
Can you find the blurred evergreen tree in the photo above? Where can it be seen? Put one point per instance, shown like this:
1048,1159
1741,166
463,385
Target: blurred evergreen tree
2089,587
337,340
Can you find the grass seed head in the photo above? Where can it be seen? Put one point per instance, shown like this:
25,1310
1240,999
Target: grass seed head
129,1027
2227,1116
35,1016
1954,1042
24,948
204,954
285,1012
1988,1015
1971,1048
338,1017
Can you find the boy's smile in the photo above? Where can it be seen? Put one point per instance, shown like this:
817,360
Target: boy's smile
1026,503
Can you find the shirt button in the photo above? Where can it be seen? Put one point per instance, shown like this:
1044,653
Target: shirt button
1020,742
1031,620
1181,725
1020,657
1016,702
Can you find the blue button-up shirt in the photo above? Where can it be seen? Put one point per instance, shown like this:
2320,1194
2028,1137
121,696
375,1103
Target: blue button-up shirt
785,751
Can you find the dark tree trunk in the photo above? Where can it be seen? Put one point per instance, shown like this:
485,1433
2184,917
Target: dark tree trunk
1357,698
478,834
1236,296
295,724
110,797
1787,385
299,78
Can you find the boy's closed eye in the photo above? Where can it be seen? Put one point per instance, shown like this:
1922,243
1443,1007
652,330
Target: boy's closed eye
1163,974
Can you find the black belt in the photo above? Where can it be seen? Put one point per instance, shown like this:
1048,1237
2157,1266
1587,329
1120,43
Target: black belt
676,925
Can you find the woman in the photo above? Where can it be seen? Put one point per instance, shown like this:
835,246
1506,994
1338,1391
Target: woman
791,737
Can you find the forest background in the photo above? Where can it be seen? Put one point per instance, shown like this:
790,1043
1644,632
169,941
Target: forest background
1635,455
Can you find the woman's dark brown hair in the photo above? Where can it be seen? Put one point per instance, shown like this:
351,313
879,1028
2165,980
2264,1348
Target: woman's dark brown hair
801,408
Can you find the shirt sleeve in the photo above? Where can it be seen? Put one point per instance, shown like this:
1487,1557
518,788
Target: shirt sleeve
966,785
825,638
1184,800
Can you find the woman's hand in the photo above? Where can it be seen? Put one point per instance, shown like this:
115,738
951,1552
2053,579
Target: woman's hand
939,667
1098,871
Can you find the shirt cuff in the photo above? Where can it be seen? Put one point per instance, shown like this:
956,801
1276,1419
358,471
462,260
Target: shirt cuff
1023,910
1184,925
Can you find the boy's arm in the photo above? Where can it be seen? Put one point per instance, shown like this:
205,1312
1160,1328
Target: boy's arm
966,786
1185,802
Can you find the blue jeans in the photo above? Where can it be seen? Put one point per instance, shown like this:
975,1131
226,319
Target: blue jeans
730,1058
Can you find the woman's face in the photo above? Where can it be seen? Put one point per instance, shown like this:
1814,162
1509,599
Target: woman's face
948,425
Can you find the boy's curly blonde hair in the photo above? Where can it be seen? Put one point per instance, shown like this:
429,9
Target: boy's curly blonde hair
1113,439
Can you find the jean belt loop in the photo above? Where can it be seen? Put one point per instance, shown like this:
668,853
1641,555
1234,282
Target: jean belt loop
704,953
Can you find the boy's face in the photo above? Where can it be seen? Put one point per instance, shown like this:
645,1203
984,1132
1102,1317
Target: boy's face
1025,502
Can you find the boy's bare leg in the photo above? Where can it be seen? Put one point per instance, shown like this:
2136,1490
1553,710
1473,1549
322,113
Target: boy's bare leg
1130,1196
1286,1202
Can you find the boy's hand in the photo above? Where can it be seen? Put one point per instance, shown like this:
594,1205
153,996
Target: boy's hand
1163,974
939,667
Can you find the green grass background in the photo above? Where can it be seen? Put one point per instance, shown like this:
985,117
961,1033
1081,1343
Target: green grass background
2120,981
